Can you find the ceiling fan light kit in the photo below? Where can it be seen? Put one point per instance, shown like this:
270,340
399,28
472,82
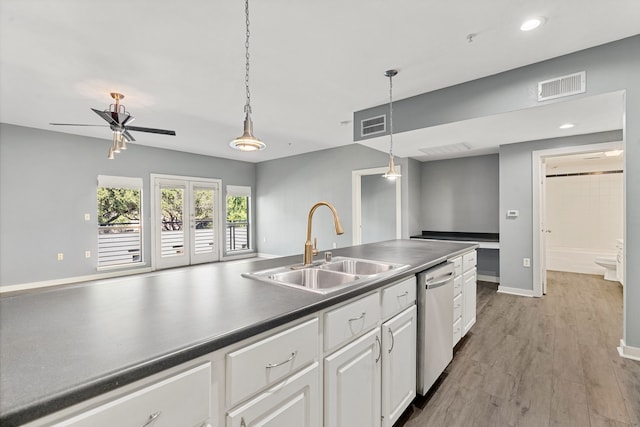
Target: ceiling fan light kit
247,141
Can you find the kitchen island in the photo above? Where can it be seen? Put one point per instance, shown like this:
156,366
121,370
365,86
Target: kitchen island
62,346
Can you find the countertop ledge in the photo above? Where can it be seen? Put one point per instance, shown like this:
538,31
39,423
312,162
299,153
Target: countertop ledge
59,347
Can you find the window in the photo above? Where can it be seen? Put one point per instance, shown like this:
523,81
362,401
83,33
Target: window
119,221
238,234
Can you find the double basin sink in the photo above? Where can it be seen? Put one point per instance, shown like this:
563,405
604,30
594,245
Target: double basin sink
326,277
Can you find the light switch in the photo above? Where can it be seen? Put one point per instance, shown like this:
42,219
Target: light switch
512,213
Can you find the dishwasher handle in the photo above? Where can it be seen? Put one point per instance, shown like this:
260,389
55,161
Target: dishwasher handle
436,284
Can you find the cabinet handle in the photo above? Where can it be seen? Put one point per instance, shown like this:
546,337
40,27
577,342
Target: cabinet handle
152,418
353,319
242,423
273,365
393,340
379,349
403,295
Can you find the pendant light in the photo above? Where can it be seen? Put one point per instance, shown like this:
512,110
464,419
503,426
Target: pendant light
247,141
391,173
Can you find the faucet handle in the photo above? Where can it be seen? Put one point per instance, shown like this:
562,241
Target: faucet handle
315,246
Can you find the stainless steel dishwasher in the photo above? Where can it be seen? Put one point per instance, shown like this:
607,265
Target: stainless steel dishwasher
435,324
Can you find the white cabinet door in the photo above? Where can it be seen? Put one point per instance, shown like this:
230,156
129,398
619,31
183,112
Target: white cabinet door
469,300
294,402
398,364
352,383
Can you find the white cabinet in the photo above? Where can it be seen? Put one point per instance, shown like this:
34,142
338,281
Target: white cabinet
269,360
464,294
352,383
469,300
180,400
293,403
398,364
349,321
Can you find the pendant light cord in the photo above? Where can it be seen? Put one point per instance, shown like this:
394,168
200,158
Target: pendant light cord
247,106
391,114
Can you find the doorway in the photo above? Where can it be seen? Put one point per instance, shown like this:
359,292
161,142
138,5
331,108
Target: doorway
185,221
543,232
376,206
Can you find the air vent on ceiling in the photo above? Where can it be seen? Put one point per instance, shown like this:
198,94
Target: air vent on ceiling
446,149
373,125
562,86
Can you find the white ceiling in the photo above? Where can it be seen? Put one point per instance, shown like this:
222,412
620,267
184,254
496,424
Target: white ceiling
181,66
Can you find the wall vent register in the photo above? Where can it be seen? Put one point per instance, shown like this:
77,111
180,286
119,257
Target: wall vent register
373,125
558,87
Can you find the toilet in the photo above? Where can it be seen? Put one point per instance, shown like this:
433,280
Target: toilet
609,265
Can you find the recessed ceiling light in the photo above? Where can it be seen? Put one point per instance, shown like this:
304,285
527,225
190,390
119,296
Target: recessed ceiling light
567,126
532,24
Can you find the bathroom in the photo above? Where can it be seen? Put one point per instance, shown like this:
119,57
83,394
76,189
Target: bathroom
584,213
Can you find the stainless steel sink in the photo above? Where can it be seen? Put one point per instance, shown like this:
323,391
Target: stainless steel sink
357,266
326,277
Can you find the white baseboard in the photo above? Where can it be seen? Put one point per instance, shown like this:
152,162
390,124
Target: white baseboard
515,291
628,352
492,279
71,280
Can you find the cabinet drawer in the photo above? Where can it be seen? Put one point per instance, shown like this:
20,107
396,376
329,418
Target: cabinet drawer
457,286
180,400
399,296
255,366
457,331
457,308
457,266
348,321
469,260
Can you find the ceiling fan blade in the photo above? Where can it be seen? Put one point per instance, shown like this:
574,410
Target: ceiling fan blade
76,124
151,130
128,136
105,116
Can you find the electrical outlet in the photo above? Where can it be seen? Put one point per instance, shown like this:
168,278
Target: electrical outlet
87,217
87,254
335,245
60,256
526,262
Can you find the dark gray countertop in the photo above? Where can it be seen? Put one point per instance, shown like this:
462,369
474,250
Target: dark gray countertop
61,346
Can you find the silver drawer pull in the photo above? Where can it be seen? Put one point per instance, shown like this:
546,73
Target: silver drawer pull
152,418
353,319
393,340
274,365
403,295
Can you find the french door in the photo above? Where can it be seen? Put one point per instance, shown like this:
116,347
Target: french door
185,221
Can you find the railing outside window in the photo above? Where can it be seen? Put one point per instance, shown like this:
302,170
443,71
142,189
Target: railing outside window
237,236
119,243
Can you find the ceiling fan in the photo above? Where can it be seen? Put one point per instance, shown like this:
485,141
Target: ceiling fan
118,120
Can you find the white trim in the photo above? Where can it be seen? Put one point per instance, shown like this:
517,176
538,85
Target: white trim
246,255
109,181
239,190
492,279
537,157
263,255
356,201
71,280
515,291
628,352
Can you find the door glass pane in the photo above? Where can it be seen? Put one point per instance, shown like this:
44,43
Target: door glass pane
172,232
237,223
203,214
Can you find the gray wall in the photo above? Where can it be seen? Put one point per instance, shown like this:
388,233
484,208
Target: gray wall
287,189
48,182
378,207
516,234
460,194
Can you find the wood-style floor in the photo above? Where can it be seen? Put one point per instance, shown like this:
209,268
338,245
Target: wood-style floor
548,361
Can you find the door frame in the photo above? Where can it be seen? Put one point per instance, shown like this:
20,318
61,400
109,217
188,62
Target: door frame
539,243
356,194
155,214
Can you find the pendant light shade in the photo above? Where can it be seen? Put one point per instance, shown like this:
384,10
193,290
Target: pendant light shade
247,141
391,173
